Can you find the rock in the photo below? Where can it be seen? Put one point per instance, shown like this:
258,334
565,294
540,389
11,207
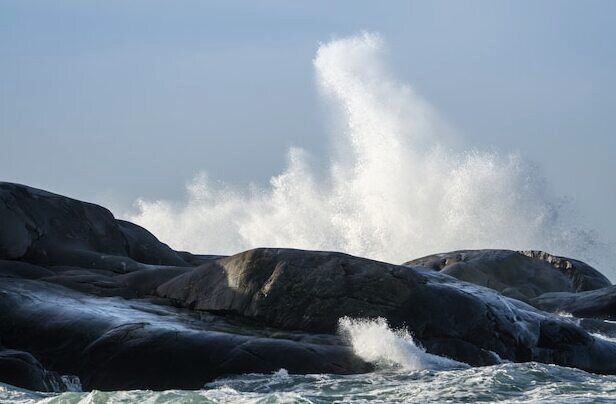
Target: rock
310,291
143,247
522,275
48,229
86,294
597,304
260,283
23,270
583,276
596,326
23,370
15,239
118,344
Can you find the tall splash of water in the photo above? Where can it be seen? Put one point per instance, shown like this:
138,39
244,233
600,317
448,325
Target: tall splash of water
394,189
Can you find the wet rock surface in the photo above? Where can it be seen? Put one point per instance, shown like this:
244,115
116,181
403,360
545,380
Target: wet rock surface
523,275
597,304
85,294
23,370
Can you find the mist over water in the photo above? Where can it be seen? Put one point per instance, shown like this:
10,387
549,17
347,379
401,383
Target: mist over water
395,187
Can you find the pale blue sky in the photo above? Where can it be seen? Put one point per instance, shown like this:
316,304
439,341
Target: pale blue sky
112,100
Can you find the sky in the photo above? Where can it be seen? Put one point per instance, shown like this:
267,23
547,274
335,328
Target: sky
110,101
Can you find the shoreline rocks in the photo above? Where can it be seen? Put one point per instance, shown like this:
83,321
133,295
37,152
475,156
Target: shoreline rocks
522,275
86,294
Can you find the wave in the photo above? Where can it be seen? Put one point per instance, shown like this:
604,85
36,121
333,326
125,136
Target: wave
395,187
375,342
511,382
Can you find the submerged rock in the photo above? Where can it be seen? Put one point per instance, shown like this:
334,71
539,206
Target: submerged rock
85,294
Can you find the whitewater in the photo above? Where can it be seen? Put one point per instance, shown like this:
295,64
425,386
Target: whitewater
510,383
397,184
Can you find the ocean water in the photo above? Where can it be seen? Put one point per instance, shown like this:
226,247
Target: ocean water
404,373
514,383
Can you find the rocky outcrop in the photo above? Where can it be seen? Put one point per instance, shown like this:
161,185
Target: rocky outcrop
83,293
119,344
310,291
22,369
597,304
583,277
48,229
72,283
523,275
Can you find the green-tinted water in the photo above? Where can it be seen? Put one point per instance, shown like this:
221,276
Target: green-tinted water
529,382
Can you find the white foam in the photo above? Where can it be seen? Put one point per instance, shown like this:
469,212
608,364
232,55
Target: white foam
375,342
72,383
394,189
603,337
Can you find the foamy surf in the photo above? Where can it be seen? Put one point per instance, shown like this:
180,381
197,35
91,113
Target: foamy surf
395,188
375,342
510,382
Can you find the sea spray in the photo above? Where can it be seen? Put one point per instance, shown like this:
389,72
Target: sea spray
373,341
395,188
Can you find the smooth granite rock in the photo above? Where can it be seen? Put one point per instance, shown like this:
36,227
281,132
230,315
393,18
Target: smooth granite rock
522,275
22,369
83,293
311,290
48,229
597,304
119,344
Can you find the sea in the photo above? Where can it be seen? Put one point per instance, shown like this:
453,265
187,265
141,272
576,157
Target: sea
508,383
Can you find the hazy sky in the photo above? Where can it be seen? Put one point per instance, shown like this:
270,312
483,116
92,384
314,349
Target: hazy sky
112,100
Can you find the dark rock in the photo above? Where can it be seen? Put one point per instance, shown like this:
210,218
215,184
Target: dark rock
85,294
198,259
275,285
462,351
596,326
23,270
118,344
143,247
598,304
48,229
583,276
522,275
23,370
310,291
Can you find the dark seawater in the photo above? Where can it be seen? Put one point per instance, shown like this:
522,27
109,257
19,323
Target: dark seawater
514,383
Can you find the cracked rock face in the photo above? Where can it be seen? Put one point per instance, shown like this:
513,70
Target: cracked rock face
85,294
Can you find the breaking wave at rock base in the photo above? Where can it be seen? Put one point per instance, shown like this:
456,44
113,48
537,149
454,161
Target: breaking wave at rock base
512,382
